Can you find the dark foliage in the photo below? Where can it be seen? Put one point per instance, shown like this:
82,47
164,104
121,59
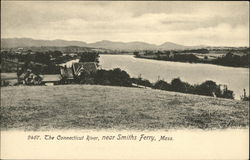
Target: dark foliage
233,60
246,98
185,58
55,54
115,77
136,53
89,57
162,85
208,88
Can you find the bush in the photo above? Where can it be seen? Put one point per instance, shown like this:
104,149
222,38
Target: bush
116,77
162,85
185,58
246,98
227,94
208,88
89,57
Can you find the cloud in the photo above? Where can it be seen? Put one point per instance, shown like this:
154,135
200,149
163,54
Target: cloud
210,23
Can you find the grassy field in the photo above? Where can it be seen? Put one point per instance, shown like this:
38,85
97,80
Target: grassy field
106,107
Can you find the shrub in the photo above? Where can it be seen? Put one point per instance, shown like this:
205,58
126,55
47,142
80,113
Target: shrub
162,85
89,57
208,88
227,94
116,77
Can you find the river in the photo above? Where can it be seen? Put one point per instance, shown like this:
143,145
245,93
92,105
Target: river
236,79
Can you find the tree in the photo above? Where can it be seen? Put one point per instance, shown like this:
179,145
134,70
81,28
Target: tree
90,57
227,94
42,58
162,85
115,77
120,78
178,85
136,53
55,54
208,88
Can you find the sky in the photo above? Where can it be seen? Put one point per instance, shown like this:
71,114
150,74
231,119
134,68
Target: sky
215,23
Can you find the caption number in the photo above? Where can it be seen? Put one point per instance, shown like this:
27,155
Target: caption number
33,137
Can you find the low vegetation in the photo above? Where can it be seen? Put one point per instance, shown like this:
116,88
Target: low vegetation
107,107
207,88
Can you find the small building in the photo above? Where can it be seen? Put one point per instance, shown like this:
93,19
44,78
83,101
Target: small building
51,79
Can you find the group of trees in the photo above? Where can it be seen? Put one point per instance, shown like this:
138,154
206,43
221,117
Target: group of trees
230,59
38,62
201,50
207,88
233,60
115,77
118,77
184,58
89,57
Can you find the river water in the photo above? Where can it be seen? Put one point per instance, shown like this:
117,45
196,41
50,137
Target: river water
235,78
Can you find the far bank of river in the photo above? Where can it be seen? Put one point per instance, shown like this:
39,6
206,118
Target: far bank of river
236,79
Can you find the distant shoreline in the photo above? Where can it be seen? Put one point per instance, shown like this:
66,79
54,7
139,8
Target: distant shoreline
192,62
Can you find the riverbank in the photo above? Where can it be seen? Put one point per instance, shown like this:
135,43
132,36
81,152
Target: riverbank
106,107
199,61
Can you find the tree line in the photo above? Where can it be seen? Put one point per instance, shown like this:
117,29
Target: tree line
118,77
228,59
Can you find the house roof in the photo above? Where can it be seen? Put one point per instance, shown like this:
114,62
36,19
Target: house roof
67,73
51,78
87,66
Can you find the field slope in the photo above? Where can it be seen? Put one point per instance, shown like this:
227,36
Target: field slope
106,107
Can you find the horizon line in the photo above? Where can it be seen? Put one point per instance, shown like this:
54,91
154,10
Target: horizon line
124,42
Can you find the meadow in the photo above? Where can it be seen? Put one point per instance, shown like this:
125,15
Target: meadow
121,108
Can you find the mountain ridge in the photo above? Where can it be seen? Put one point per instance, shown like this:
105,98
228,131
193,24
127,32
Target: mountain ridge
105,44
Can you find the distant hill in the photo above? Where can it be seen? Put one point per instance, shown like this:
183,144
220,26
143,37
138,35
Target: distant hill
105,44
170,46
122,45
28,42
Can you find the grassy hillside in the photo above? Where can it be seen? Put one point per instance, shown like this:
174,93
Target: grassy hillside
106,107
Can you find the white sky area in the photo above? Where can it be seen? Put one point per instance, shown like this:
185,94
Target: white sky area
214,23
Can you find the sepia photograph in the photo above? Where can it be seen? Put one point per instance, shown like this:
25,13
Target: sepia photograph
118,70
